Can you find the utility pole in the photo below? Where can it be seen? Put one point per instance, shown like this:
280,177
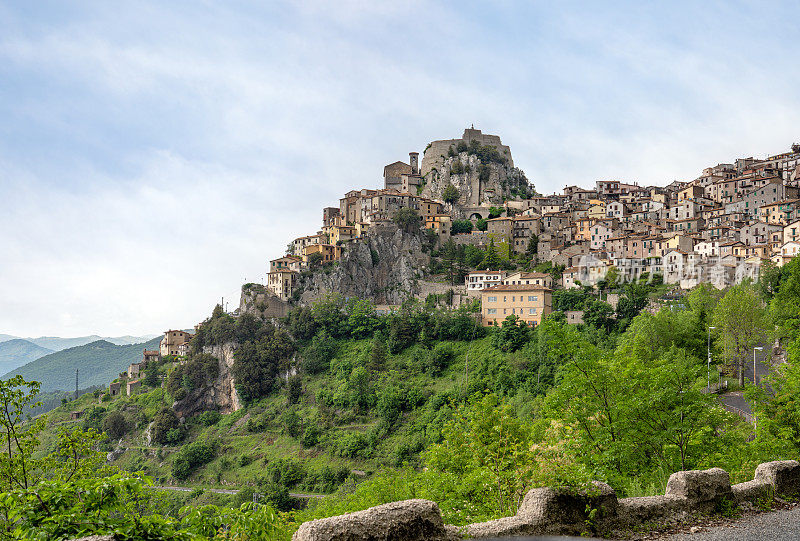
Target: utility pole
76,384
757,348
708,369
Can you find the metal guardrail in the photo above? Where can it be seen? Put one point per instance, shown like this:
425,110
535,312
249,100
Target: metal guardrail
716,388
749,417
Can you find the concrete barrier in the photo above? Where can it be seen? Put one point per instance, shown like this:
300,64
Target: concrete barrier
547,511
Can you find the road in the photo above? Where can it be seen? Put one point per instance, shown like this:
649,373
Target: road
232,491
773,526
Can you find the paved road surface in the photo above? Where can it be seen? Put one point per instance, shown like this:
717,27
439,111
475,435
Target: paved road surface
232,491
773,526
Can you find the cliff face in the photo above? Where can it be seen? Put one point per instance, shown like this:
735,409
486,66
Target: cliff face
478,183
221,395
384,267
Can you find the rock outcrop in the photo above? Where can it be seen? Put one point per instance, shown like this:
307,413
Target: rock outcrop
221,395
384,267
409,520
479,184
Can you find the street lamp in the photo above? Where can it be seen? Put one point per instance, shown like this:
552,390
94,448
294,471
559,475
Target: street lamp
708,369
757,348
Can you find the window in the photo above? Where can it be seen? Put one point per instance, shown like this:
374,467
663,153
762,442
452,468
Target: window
531,298
532,311
492,299
491,310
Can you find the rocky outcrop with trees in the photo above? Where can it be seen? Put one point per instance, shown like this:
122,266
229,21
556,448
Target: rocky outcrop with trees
385,266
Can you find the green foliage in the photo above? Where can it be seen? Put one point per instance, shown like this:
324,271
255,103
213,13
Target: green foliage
407,219
256,364
459,227
450,194
741,321
481,224
512,334
488,449
115,425
191,457
199,370
165,425
209,418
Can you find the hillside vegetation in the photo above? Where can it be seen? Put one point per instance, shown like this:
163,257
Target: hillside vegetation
425,403
99,363
17,352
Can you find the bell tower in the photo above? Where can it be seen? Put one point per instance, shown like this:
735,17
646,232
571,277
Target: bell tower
413,159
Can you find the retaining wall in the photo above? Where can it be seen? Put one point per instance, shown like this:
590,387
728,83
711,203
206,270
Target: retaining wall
547,511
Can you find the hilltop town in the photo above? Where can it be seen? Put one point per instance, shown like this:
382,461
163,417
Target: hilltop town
718,228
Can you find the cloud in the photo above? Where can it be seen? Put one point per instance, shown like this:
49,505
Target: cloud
153,157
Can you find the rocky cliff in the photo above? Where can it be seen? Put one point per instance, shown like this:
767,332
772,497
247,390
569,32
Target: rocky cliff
384,267
479,182
221,395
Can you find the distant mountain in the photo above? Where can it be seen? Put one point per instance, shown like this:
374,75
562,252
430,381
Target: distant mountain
56,343
99,362
17,352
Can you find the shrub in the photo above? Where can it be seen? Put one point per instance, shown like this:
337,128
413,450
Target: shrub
164,421
209,418
191,457
310,436
115,425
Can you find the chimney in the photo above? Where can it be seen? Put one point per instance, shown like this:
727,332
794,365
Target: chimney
413,158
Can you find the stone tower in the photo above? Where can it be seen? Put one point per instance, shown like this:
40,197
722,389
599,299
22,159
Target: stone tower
413,159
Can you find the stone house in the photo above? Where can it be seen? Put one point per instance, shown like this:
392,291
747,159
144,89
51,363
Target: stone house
172,339
133,386
528,302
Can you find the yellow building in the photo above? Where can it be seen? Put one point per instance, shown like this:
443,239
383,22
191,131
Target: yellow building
329,252
172,339
530,303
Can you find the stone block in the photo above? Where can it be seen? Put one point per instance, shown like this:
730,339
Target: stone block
551,506
408,520
751,491
783,475
700,486
651,508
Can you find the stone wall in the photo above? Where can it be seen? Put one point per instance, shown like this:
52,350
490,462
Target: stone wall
547,511
257,300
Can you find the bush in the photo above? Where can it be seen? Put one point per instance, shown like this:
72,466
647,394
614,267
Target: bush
115,425
310,436
191,457
439,358
163,422
209,418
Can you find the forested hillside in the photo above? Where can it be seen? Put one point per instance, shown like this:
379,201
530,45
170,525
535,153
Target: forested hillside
14,353
98,362
426,403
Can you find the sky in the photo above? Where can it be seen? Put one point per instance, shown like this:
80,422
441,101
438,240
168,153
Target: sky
156,155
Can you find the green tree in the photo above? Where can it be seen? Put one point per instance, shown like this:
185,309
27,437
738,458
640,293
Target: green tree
481,224
487,450
407,219
599,315
459,227
115,425
740,318
450,194
491,260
